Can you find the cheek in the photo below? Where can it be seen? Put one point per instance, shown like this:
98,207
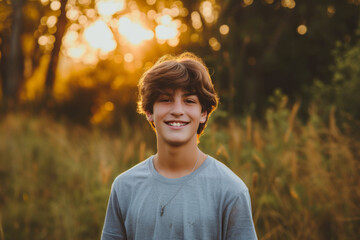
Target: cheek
159,112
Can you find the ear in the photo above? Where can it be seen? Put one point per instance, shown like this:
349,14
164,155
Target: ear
203,117
149,117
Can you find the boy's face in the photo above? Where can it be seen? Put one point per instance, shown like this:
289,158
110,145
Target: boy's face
176,116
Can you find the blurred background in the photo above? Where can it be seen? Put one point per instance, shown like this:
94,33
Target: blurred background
287,73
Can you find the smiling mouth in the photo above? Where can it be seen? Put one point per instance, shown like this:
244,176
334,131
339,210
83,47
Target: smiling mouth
176,124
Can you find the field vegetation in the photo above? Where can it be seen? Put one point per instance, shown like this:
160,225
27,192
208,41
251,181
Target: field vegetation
302,175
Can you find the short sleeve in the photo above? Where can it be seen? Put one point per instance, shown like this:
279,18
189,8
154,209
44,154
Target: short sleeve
114,228
240,224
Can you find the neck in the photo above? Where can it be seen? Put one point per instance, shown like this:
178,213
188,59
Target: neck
175,162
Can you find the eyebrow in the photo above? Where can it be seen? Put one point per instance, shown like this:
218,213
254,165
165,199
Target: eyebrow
189,94
184,95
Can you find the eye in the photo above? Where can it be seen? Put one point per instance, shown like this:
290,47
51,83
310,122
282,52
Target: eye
164,100
189,100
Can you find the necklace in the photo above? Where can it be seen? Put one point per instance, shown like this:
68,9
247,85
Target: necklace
162,206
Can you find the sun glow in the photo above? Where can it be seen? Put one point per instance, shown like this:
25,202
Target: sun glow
134,32
99,36
97,32
109,7
168,30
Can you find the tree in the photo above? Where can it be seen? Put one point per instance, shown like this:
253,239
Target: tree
54,57
14,65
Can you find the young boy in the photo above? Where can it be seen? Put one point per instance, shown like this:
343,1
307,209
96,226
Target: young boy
180,192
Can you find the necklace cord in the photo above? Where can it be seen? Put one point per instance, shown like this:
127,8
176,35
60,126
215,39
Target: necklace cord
182,185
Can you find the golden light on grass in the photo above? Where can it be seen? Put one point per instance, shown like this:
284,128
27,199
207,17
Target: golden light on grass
134,32
292,118
99,36
224,29
109,7
310,180
302,29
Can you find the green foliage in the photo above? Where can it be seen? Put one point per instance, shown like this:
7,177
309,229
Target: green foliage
343,90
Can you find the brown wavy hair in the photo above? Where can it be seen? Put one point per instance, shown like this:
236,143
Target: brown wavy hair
187,72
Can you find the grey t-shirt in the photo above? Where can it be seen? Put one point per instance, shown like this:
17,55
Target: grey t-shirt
210,203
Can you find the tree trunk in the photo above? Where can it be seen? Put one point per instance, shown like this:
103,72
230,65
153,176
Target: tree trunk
54,58
14,59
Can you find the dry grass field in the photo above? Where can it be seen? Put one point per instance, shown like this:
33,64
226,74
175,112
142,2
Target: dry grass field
303,177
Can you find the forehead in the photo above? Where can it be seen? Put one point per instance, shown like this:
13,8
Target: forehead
179,91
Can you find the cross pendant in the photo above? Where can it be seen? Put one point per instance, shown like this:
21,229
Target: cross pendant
162,211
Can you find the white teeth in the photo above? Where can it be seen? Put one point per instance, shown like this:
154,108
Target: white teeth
176,124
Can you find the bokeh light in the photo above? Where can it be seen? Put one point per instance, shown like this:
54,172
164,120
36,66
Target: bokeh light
134,32
302,29
206,10
168,29
109,106
109,7
248,2
288,3
73,14
128,57
44,2
196,20
99,36
224,29
331,11
55,5
150,2
214,44
51,21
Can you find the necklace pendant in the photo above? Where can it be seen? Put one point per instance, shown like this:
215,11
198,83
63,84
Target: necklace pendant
162,211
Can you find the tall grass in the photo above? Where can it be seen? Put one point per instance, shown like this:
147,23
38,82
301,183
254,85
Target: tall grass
303,177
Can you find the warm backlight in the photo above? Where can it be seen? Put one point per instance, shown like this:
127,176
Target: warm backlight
109,7
99,36
134,32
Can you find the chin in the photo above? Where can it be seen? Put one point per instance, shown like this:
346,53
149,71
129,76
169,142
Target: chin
177,142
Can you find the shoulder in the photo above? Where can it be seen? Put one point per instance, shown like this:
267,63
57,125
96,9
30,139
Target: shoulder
224,176
134,175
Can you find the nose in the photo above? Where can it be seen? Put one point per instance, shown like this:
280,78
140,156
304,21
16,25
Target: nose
177,107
